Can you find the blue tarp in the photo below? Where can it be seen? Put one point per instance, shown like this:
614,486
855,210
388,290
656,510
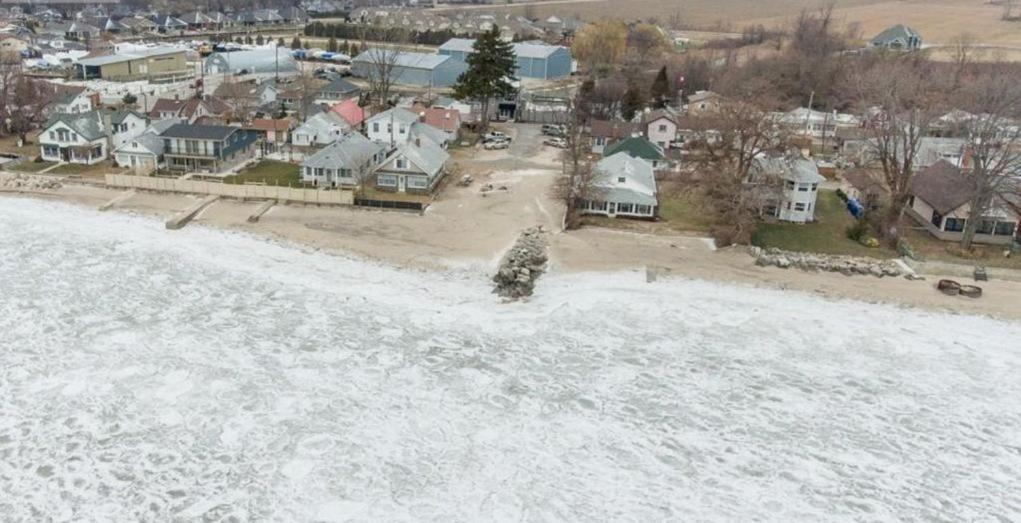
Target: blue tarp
855,208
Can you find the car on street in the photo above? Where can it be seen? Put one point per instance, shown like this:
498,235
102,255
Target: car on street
557,142
554,130
496,144
495,136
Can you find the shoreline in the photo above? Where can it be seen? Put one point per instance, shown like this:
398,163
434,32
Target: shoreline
431,242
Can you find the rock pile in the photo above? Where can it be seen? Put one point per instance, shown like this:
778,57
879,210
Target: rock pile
25,182
846,265
522,265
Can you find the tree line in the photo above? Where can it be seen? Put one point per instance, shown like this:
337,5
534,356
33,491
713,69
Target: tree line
344,31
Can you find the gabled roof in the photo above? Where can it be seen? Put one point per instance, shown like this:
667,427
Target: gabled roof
271,124
199,132
943,186
340,85
863,180
448,120
659,114
426,155
791,167
323,123
614,129
428,132
639,185
149,141
891,34
196,18
119,116
637,147
350,151
350,111
397,114
89,124
168,21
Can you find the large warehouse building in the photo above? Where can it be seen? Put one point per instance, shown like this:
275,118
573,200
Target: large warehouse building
422,69
535,59
156,64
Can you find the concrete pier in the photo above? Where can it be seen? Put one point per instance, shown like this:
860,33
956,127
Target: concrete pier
182,218
263,209
117,199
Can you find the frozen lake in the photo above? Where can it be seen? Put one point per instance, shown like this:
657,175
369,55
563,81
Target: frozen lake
153,375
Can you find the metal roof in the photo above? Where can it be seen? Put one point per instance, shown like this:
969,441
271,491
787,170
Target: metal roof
521,49
639,185
404,59
133,55
264,60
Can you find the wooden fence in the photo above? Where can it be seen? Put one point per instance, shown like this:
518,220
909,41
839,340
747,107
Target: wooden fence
242,192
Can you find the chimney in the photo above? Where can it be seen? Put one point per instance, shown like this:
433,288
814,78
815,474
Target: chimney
177,97
418,141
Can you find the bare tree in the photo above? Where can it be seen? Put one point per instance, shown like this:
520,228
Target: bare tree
901,100
994,141
962,51
728,141
578,183
381,60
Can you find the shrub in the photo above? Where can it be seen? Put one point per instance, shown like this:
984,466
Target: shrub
859,230
842,195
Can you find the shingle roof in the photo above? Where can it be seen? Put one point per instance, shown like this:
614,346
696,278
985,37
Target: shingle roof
89,124
943,186
796,169
199,132
426,155
350,151
636,146
398,114
892,33
639,185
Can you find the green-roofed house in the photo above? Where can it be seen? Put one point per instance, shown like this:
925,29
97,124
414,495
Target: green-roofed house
639,147
897,38
75,138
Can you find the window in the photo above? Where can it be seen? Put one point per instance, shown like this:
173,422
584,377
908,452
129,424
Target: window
386,180
662,128
375,127
319,171
51,150
985,227
418,182
799,206
53,135
624,207
97,151
402,163
815,186
642,209
803,187
621,179
345,173
954,225
789,185
403,129
1004,228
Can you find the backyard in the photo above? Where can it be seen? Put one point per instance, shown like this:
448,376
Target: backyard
679,212
268,172
827,235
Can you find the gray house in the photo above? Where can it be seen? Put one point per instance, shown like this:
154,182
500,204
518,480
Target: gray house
898,38
534,59
344,163
415,167
428,70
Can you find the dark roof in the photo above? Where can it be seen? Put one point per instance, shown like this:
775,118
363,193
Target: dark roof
943,186
637,147
863,180
199,132
614,129
340,85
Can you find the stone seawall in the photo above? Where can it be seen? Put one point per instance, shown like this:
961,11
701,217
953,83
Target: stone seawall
522,265
846,265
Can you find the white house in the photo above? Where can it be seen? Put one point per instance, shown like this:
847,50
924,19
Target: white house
320,129
346,162
661,128
623,185
123,126
392,127
817,124
143,154
73,102
75,138
414,167
799,181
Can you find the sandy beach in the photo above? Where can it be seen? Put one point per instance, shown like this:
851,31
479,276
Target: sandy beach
465,231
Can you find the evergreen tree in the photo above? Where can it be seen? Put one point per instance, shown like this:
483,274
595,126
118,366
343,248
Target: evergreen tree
633,102
280,42
248,40
239,40
660,88
259,40
346,48
490,72
296,43
331,46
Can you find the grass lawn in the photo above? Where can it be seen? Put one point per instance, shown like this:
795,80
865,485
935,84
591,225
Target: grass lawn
268,172
680,212
28,166
85,170
926,247
827,235
370,193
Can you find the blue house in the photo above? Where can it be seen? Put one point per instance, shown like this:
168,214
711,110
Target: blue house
535,59
422,69
206,148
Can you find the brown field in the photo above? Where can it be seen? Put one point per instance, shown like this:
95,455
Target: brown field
938,21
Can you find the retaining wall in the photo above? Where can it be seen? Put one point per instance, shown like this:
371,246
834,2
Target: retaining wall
243,192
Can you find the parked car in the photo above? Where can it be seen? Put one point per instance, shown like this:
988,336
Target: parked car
496,144
494,135
557,142
553,130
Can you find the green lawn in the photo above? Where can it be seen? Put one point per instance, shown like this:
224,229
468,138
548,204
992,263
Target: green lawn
268,172
678,212
827,235
77,168
28,166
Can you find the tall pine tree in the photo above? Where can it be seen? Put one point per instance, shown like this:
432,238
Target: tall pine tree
660,89
633,102
490,72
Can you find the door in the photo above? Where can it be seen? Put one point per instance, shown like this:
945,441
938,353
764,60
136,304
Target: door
402,183
611,209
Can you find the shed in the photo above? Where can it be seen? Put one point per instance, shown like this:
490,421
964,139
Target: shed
421,69
534,59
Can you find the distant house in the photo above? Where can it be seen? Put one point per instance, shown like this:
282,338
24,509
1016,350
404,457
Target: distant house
346,162
123,125
702,102
158,63
338,90
190,110
169,24
639,147
81,32
940,202
143,154
320,129
818,125
350,111
661,128
414,167
74,100
75,138
272,131
606,132
898,38
137,25
198,20
622,186
798,180
863,186
534,59
446,120
391,127
421,69
206,148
